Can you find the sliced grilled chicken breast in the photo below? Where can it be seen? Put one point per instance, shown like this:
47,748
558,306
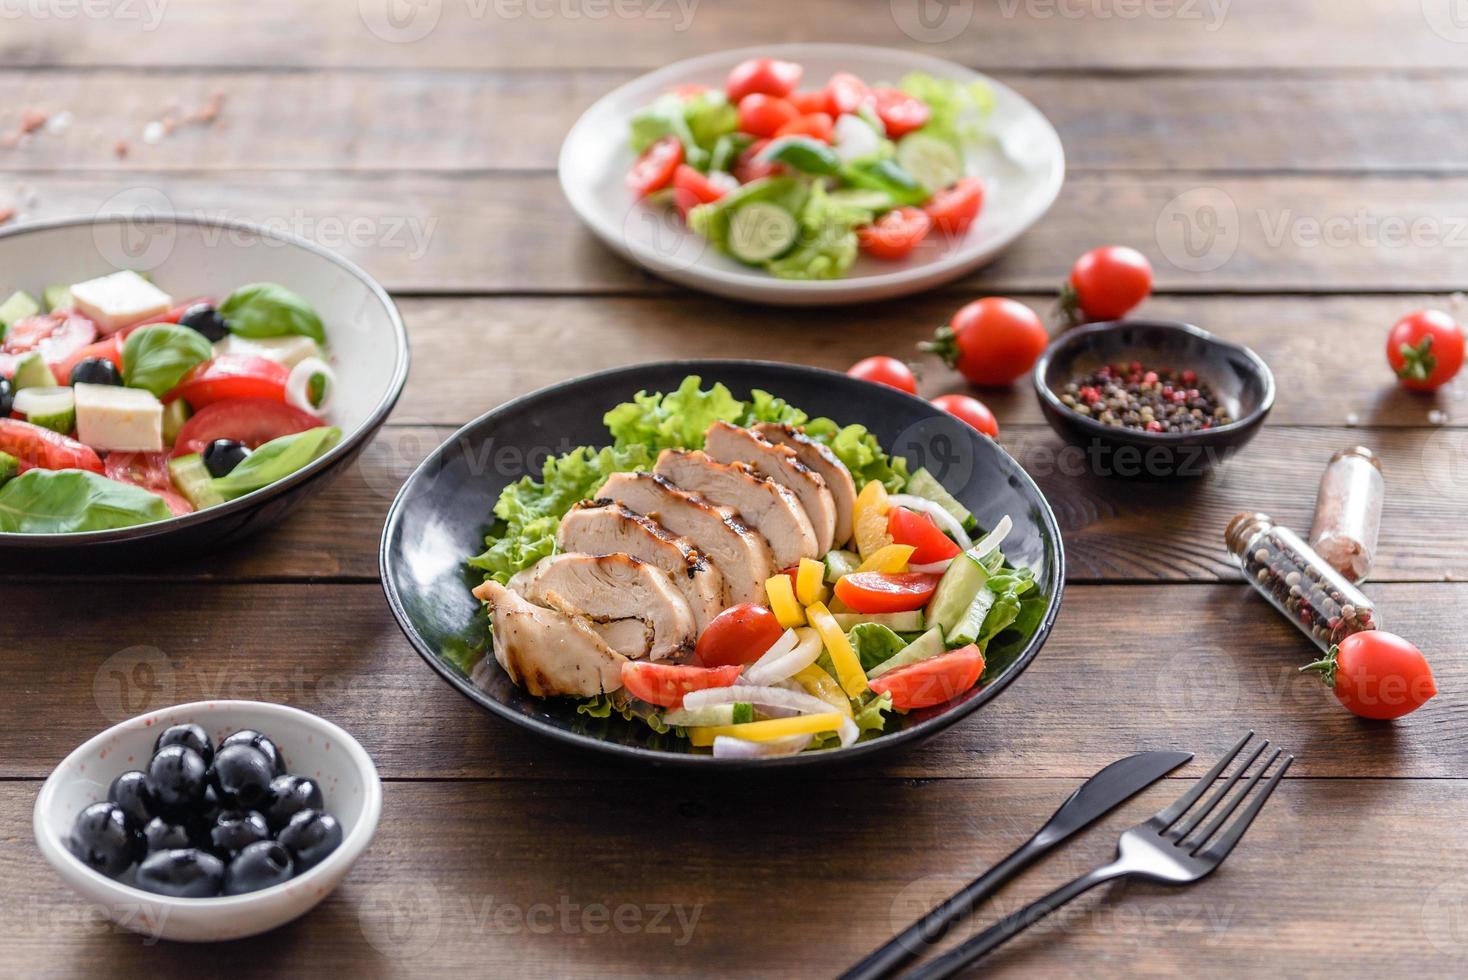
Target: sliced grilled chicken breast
741,554
763,504
629,637
731,444
603,527
612,587
820,459
548,652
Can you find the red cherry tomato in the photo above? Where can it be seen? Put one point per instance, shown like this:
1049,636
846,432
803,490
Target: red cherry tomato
107,349
691,188
1425,349
991,341
40,448
930,682
918,530
899,112
1110,281
654,169
954,209
808,102
748,166
56,336
885,592
816,125
149,471
845,93
895,234
765,76
231,376
887,371
665,684
763,115
1379,675
252,421
738,635
970,410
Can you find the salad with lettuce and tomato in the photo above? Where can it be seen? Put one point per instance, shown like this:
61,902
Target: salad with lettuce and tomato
120,405
800,181
739,574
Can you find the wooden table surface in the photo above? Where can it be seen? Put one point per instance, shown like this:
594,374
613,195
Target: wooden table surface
1294,168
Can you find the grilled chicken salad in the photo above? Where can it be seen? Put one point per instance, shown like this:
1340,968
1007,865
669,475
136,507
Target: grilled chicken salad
747,577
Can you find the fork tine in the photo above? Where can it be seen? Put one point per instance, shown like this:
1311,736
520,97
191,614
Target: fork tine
1201,813
1218,821
1220,848
1167,817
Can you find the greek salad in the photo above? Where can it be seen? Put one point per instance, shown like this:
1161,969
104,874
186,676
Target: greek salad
747,577
800,181
120,405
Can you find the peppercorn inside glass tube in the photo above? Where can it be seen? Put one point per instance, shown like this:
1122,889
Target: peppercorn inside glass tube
1298,582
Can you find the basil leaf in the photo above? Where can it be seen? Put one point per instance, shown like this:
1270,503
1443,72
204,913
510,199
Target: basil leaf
63,501
157,358
275,460
264,309
887,176
803,153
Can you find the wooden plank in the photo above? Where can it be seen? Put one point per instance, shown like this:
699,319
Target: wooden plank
445,120
1145,666
491,879
515,233
1207,34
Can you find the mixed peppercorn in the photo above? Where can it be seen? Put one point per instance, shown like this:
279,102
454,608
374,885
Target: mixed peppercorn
1297,581
1132,396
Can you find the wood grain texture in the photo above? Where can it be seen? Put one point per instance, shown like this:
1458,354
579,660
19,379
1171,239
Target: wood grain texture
1208,34
517,877
1127,667
444,120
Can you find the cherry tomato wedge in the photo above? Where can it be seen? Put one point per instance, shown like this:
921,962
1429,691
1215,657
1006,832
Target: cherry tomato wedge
252,421
885,592
40,448
665,684
763,115
654,169
149,471
738,635
968,409
766,76
55,335
107,349
748,166
895,234
899,112
231,376
845,93
885,370
808,102
816,125
930,682
691,188
954,209
911,528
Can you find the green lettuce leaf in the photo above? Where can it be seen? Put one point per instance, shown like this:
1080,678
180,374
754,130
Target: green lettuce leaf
673,420
712,220
827,244
870,714
66,501
874,643
959,109
860,451
765,407
698,123
1007,587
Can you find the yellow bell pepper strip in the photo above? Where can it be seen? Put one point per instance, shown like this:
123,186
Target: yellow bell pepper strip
890,558
820,684
765,731
810,581
870,518
848,665
782,601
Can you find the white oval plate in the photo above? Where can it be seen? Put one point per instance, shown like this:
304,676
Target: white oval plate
1023,166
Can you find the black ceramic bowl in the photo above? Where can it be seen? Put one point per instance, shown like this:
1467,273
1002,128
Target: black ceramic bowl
190,257
1241,379
444,509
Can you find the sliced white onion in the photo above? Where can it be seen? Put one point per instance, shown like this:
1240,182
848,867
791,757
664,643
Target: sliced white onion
847,732
783,644
729,747
298,385
990,542
723,181
854,138
775,698
932,568
941,517
774,667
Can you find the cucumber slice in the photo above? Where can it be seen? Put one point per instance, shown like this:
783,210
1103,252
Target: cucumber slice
861,197
51,408
56,298
19,306
934,162
969,628
9,467
31,372
175,414
759,231
898,622
714,714
926,485
925,647
839,563
956,592
192,479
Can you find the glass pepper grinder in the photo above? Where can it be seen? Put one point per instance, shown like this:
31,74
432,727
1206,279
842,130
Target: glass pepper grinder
1297,581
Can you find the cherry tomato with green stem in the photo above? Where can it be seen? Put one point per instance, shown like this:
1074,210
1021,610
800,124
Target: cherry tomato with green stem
991,341
1425,349
1377,675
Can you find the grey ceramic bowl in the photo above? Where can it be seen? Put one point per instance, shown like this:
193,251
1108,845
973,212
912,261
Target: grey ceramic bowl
444,509
189,257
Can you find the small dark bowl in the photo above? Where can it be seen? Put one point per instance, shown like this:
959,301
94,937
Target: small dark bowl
442,513
1241,379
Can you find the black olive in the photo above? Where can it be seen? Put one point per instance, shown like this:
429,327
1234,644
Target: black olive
176,775
236,830
130,791
241,776
96,371
311,835
290,795
7,398
248,736
204,318
258,866
222,455
164,836
181,873
105,840
191,735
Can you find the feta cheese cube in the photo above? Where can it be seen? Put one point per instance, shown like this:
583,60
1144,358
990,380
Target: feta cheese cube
110,417
289,351
120,300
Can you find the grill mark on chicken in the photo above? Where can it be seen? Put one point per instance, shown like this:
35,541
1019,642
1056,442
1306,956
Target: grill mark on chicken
730,443
822,460
547,650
